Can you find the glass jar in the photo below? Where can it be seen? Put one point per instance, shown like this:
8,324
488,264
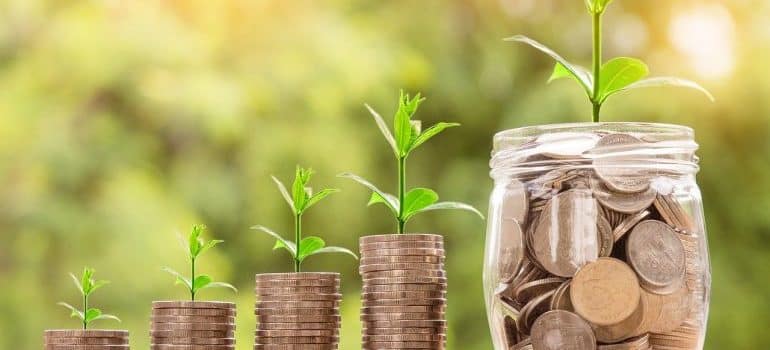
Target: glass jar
596,236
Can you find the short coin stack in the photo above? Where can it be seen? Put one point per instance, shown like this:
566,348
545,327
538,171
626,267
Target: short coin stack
188,325
404,292
297,311
79,339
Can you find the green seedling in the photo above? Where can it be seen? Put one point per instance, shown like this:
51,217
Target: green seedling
300,200
615,76
87,285
195,246
406,137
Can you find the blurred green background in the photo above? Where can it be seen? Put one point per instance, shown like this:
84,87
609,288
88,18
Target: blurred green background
124,122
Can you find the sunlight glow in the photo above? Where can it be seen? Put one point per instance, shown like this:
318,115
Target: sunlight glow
706,36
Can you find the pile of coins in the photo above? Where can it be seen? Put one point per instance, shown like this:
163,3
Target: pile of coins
297,311
186,325
404,292
596,253
79,339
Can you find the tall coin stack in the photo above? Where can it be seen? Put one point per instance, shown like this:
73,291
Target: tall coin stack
186,325
404,291
297,311
79,339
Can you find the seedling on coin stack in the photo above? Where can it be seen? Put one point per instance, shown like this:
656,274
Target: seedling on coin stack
596,235
193,324
404,279
87,338
300,309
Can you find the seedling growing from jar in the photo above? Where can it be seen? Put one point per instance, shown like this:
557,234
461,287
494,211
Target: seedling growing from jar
300,200
195,247
616,75
406,137
87,285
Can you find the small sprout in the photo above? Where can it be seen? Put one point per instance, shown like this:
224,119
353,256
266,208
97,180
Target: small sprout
301,199
615,76
87,285
195,246
408,137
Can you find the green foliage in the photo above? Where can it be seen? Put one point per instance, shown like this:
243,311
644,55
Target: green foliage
408,136
87,285
301,199
617,75
195,246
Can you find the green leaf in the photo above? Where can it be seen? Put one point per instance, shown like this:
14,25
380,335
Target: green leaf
208,245
98,284
74,312
388,199
280,241
417,199
221,285
580,74
318,197
669,81
430,132
92,314
619,73
416,131
107,317
383,129
194,244
597,6
450,206
298,189
334,250
201,281
560,72
308,246
86,280
180,279
285,194
77,283
401,124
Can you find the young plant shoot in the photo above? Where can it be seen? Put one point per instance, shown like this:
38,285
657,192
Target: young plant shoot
616,75
195,246
406,137
87,285
300,200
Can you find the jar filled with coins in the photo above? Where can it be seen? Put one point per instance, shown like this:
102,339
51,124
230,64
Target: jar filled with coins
596,239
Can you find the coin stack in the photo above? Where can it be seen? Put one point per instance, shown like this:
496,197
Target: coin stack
186,325
79,339
297,311
404,291
611,259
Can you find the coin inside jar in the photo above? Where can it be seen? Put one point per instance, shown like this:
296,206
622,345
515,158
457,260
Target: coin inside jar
657,255
559,329
605,292
566,236
616,169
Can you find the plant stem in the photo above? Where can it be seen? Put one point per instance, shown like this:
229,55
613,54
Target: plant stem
401,192
85,310
298,240
597,58
192,280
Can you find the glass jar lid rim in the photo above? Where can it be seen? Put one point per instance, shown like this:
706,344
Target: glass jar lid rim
638,127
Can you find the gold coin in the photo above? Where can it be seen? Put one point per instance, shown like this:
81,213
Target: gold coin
187,326
192,305
405,280
297,333
605,292
420,267
403,316
86,341
406,324
332,346
403,295
627,203
193,319
299,297
527,291
298,276
192,341
403,252
298,318
405,273
617,170
296,304
605,237
402,259
297,340
418,301
623,330
96,333
192,334
378,288
297,311
295,290
403,337
270,326
401,309
193,312
438,332
558,330
401,245
298,283
628,223
401,238
565,237
657,255
404,345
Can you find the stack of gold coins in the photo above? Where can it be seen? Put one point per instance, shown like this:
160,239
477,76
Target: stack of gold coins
404,292
80,339
297,311
179,325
